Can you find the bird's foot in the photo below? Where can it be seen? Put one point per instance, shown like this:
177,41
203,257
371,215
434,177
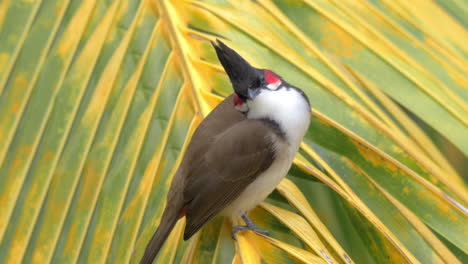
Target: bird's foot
249,226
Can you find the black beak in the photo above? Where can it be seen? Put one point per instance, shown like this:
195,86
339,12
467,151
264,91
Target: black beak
243,76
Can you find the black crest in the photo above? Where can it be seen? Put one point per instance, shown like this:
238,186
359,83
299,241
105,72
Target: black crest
242,75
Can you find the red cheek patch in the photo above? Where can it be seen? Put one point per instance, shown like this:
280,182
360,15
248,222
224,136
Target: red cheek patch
237,100
270,77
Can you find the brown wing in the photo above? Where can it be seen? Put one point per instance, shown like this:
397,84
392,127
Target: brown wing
233,161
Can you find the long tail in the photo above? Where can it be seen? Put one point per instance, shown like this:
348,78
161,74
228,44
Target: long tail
168,221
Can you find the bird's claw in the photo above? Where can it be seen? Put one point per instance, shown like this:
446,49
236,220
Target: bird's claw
249,226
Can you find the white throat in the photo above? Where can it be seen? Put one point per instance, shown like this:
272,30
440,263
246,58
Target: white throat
287,107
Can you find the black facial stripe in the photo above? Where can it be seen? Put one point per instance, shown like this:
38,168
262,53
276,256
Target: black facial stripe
275,127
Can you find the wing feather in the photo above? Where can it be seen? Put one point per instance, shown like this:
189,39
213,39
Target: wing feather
233,161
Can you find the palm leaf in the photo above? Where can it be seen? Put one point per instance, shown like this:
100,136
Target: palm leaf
98,100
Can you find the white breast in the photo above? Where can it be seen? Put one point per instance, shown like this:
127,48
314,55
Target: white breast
290,110
287,107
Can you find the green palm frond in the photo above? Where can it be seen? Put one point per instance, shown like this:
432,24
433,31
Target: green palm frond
98,100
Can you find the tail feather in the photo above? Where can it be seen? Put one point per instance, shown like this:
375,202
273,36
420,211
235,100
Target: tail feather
168,222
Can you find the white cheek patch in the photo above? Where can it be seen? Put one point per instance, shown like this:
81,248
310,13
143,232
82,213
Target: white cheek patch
273,86
242,107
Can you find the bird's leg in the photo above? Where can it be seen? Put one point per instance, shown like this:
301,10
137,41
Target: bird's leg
249,225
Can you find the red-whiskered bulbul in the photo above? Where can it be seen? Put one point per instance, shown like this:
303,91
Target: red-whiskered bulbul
239,153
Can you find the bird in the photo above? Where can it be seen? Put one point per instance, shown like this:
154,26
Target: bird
238,154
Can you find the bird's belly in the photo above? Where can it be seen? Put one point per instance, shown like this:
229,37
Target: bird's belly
259,189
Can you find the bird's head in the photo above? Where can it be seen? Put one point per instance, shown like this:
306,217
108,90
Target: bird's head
247,81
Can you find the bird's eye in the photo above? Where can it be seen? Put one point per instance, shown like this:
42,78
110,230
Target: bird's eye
242,97
256,84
